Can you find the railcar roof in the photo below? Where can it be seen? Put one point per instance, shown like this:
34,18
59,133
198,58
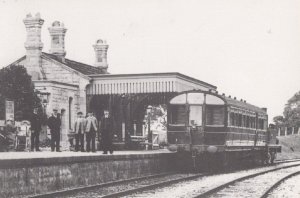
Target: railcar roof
244,105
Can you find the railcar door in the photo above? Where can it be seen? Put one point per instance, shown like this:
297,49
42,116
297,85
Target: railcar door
195,122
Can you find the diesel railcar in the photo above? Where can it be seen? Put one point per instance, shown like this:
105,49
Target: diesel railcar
215,129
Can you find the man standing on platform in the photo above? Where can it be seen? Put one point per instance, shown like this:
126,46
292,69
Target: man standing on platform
91,128
54,124
36,127
79,132
106,130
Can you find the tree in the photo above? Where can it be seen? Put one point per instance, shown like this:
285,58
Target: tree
291,114
292,111
16,85
278,120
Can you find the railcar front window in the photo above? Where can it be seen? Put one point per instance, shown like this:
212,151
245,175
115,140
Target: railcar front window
180,99
215,115
178,115
195,116
196,98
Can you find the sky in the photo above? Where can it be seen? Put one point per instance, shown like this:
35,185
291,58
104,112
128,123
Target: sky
249,49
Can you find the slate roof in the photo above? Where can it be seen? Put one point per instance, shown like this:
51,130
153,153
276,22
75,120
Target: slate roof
80,67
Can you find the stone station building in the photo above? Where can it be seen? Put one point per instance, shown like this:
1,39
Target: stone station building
71,86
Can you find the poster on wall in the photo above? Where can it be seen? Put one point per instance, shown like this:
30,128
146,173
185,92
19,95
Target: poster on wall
9,110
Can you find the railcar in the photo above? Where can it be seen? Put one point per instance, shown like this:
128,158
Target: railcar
211,129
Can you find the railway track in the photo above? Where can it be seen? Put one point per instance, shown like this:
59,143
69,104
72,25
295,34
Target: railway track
123,187
274,186
131,186
254,185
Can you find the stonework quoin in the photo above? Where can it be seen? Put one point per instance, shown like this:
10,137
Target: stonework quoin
57,33
101,48
33,45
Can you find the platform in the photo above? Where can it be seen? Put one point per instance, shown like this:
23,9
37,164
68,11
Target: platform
29,173
49,154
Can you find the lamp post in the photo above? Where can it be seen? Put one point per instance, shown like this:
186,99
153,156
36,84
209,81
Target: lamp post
149,109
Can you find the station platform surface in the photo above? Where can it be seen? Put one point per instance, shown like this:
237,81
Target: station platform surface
21,159
49,154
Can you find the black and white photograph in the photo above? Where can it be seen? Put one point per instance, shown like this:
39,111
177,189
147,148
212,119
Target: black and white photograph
150,98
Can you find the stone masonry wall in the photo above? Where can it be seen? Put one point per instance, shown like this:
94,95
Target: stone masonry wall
25,177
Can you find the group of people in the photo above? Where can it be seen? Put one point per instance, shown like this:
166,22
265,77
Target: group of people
87,127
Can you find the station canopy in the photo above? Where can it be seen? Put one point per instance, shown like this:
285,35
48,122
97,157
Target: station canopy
114,84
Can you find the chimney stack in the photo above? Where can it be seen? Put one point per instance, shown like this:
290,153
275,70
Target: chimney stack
57,33
33,45
101,54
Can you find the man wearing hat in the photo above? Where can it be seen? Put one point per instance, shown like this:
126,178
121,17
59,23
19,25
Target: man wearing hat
54,124
79,132
106,130
36,127
91,128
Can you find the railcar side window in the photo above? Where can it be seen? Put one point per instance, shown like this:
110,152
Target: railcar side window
215,115
239,120
178,114
247,121
231,119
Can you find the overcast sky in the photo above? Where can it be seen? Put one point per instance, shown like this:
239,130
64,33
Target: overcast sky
249,49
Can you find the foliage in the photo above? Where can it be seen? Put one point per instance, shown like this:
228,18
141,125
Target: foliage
278,120
16,85
291,114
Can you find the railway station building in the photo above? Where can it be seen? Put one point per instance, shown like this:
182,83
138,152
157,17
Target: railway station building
71,86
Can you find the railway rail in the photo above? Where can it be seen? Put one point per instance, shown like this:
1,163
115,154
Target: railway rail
249,183
132,186
274,186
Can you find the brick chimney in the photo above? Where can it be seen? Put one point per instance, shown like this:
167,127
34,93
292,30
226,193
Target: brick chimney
57,33
33,45
101,54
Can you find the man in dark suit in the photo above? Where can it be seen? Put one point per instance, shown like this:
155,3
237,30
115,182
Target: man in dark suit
106,130
54,124
36,127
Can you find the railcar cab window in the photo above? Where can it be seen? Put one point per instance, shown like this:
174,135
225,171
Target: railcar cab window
188,108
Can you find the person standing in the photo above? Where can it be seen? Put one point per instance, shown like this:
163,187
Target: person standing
79,132
10,132
91,128
36,127
106,130
54,124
